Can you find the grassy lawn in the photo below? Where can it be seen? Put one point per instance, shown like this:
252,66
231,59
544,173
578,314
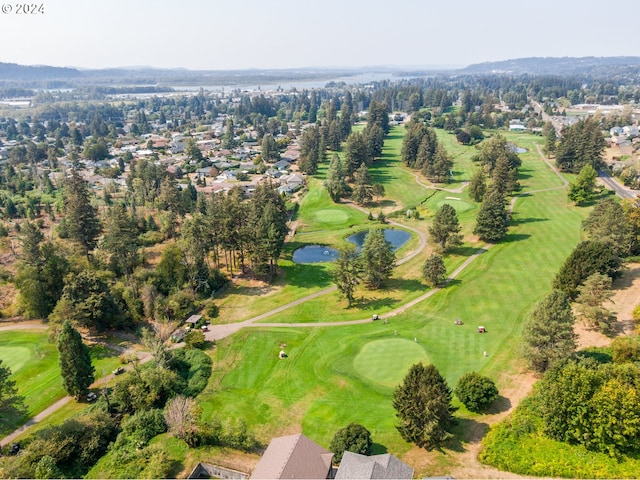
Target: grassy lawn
34,365
336,375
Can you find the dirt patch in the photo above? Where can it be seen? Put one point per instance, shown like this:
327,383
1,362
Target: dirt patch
626,297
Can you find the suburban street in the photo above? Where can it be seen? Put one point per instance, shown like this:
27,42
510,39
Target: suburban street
612,184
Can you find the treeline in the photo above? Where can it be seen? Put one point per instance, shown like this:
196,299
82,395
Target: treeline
586,400
100,279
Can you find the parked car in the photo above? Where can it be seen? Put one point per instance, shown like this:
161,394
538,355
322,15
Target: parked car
118,371
92,396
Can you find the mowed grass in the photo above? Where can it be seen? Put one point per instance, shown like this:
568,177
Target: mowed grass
34,366
336,375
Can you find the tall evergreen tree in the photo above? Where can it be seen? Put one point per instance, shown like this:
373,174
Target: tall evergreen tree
310,146
547,333
356,152
445,230
492,221
83,226
347,273
423,407
75,362
335,182
377,257
477,185
362,189
434,270
120,240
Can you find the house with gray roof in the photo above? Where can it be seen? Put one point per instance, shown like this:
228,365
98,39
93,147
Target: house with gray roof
385,466
294,456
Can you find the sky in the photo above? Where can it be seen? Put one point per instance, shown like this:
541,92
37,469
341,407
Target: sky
243,34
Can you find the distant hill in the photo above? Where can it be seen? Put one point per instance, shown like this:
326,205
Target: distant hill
21,73
594,66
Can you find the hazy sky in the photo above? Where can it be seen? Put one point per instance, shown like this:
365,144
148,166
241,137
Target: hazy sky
228,34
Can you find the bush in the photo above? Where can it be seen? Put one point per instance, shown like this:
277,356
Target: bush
212,310
476,392
626,349
194,366
636,314
353,438
141,427
194,338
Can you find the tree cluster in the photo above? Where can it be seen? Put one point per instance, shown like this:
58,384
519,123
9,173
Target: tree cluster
580,144
422,151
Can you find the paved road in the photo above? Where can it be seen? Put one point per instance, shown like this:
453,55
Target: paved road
613,184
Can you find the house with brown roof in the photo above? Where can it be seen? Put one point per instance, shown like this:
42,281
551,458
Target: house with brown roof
294,456
361,467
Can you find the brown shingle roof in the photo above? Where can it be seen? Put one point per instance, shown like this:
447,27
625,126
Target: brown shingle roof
293,456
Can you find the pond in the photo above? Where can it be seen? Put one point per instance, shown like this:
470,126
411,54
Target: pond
315,254
517,149
396,238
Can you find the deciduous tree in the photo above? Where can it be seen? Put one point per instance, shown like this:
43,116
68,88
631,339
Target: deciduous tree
476,392
445,230
353,438
433,270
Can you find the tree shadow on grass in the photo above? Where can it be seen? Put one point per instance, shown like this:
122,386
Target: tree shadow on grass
521,221
101,351
515,237
370,303
377,449
174,468
405,285
466,431
465,251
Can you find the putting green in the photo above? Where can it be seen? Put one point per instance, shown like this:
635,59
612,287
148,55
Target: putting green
331,215
15,357
458,205
386,362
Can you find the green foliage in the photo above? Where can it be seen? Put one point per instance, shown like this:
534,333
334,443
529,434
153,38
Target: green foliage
494,148
547,333
592,294
477,185
335,182
82,224
362,189
75,362
594,405
608,222
626,349
194,367
583,188
580,144
377,259
353,438
434,270
492,220
423,407
139,428
347,273
11,404
476,392
587,258
88,301
445,230
194,338
145,388
72,447
212,310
